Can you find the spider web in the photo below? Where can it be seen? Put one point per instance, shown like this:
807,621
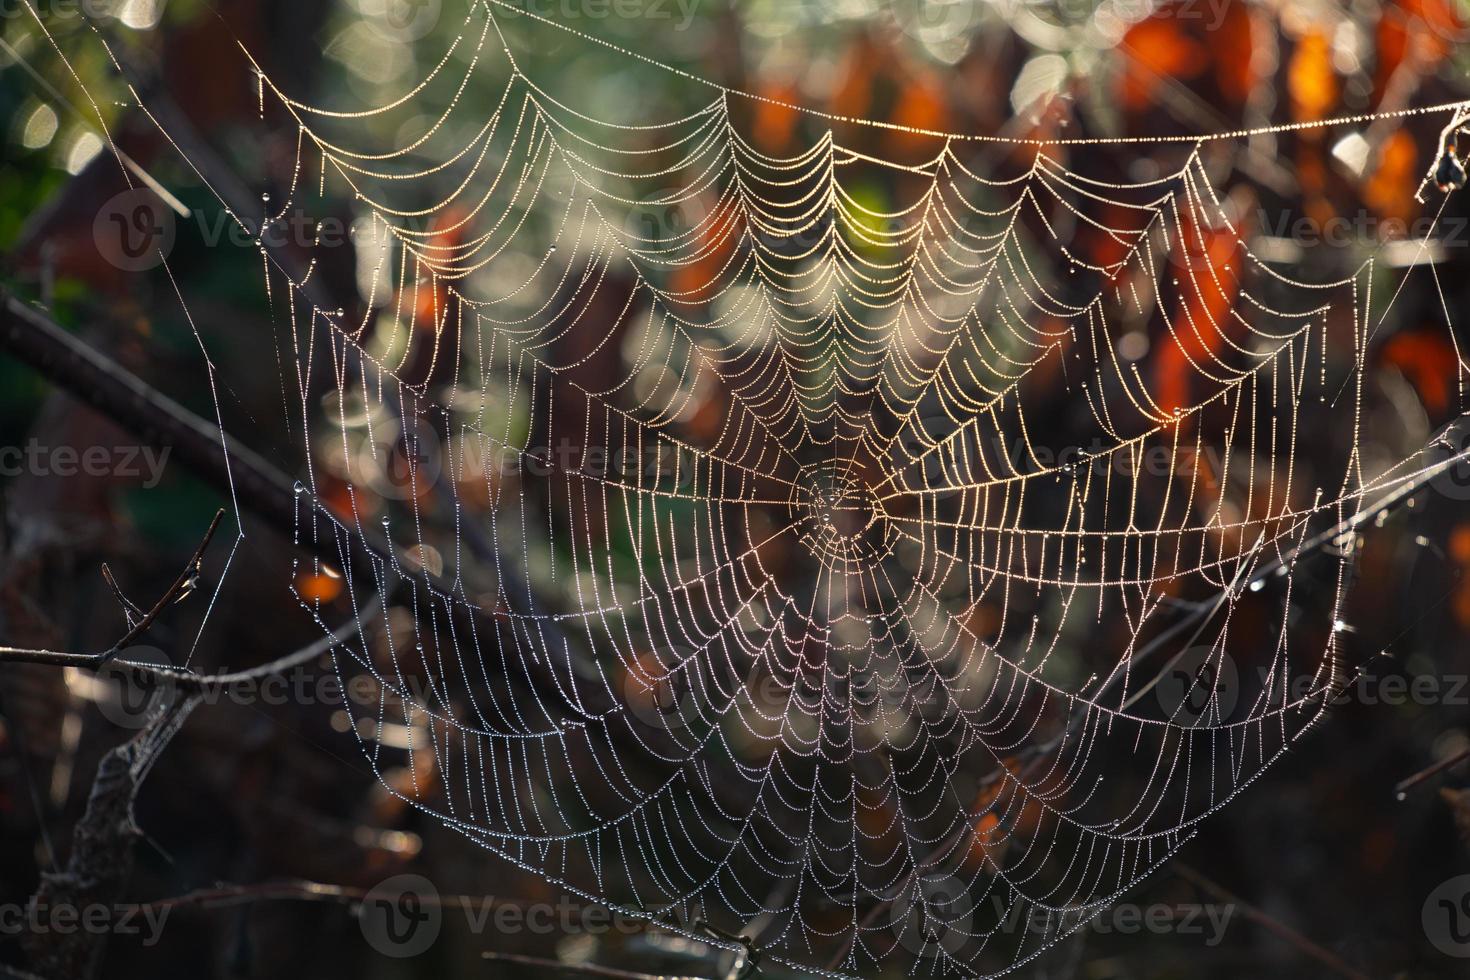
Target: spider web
841,574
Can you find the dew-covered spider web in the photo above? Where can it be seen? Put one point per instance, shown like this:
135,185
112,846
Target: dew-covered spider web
883,583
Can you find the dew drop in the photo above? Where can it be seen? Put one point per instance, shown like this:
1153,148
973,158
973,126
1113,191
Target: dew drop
300,489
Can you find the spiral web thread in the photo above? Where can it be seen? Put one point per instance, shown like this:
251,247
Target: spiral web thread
771,601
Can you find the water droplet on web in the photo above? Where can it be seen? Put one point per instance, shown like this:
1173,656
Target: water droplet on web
300,489
266,198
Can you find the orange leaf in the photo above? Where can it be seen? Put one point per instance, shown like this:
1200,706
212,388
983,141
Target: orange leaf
1310,78
1390,191
1232,42
776,117
1156,49
1206,295
921,105
1167,46
1428,361
1422,32
322,587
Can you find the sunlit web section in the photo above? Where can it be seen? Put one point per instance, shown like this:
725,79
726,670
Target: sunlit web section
883,577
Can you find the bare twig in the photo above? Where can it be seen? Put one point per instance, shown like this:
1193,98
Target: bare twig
102,850
302,890
185,680
585,969
96,661
1402,789
85,373
1266,921
130,609
182,585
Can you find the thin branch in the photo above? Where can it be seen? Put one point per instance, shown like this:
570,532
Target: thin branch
181,587
1402,789
1263,919
303,890
130,609
102,849
188,681
96,661
185,680
87,374
585,969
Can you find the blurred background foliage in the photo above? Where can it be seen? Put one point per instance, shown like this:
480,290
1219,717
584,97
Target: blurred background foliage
259,793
